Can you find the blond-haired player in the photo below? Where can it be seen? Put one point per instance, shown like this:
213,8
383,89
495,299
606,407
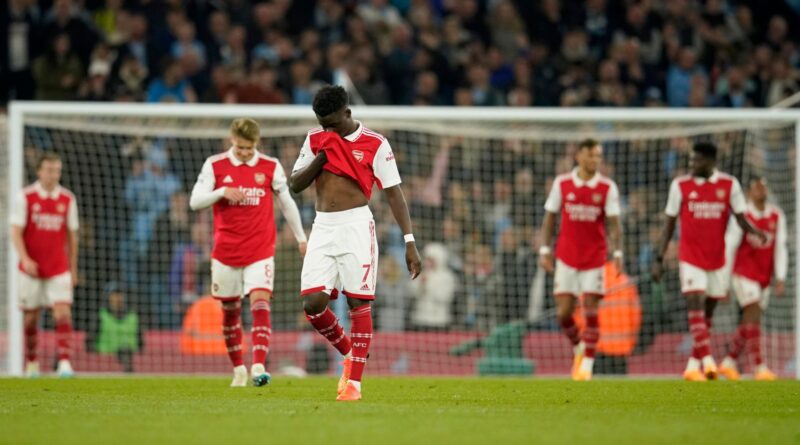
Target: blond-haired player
240,184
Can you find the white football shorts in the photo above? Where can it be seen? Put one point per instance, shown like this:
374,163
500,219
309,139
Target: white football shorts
748,291
342,252
711,283
571,281
232,283
36,293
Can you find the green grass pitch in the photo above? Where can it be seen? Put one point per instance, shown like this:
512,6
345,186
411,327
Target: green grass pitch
195,411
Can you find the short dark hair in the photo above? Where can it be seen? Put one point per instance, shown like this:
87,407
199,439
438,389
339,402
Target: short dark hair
755,178
588,143
705,148
47,156
329,99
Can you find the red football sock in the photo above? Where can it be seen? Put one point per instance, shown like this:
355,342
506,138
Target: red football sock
232,331
753,335
328,326
31,337
361,333
699,330
63,336
262,329
592,332
569,329
738,342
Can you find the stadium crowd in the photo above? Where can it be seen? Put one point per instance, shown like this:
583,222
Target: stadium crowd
677,53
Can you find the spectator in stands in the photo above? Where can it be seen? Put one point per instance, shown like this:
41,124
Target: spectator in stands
24,40
679,78
58,72
172,86
261,88
190,260
69,18
392,307
434,291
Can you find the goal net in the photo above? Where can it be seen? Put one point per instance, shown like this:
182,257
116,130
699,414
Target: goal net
476,181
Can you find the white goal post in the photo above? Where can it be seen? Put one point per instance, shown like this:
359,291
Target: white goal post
561,125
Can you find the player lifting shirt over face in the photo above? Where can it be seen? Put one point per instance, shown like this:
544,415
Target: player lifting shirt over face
345,159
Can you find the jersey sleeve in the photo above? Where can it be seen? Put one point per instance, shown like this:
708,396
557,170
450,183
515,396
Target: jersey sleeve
19,214
203,192
781,249
306,156
72,215
553,203
612,201
278,179
733,238
385,167
674,199
738,203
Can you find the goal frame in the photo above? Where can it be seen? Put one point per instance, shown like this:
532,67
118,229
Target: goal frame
19,110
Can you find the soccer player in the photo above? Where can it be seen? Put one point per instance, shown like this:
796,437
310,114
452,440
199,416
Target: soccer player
44,229
346,160
240,184
703,200
586,200
753,264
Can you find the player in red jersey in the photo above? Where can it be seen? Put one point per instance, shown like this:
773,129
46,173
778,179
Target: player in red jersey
240,185
345,159
44,229
754,264
703,201
586,200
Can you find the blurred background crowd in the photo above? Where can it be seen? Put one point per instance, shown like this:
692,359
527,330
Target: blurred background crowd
677,53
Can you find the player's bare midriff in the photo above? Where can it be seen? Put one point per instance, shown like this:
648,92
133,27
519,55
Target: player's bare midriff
338,193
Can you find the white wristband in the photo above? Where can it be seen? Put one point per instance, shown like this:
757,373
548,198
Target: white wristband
617,254
544,250
408,237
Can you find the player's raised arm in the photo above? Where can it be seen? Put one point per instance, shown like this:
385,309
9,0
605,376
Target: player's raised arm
203,193
289,207
307,167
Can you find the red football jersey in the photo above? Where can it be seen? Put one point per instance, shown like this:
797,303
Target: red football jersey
46,218
703,207
755,260
584,206
363,156
244,232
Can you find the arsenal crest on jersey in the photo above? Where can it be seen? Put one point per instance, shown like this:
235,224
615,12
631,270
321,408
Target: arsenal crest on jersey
260,178
358,154
36,207
61,208
772,225
720,193
596,198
